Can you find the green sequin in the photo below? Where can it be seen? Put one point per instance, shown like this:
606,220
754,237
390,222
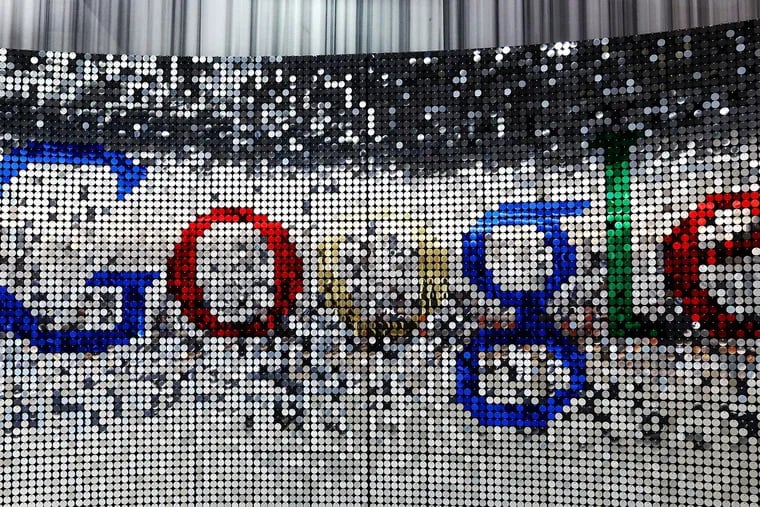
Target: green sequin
622,321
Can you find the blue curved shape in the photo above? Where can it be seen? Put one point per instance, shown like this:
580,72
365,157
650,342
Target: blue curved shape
538,414
128,174
546,217
16,318
529,306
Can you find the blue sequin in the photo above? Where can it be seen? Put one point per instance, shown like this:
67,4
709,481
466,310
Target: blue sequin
16,318
529,329
129,175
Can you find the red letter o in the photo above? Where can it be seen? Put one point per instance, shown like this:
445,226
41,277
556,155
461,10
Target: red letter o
183,273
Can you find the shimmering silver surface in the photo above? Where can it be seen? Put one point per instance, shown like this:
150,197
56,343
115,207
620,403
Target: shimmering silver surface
378,166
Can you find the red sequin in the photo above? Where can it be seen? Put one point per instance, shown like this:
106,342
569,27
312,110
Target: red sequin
183,272
683,258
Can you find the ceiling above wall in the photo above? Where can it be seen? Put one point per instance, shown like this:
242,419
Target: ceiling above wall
298,27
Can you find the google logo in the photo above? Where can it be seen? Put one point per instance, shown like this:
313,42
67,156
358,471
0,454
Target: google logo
686,256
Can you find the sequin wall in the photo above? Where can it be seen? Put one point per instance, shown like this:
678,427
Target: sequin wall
512,276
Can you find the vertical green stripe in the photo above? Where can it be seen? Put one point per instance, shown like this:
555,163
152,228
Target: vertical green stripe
617,174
